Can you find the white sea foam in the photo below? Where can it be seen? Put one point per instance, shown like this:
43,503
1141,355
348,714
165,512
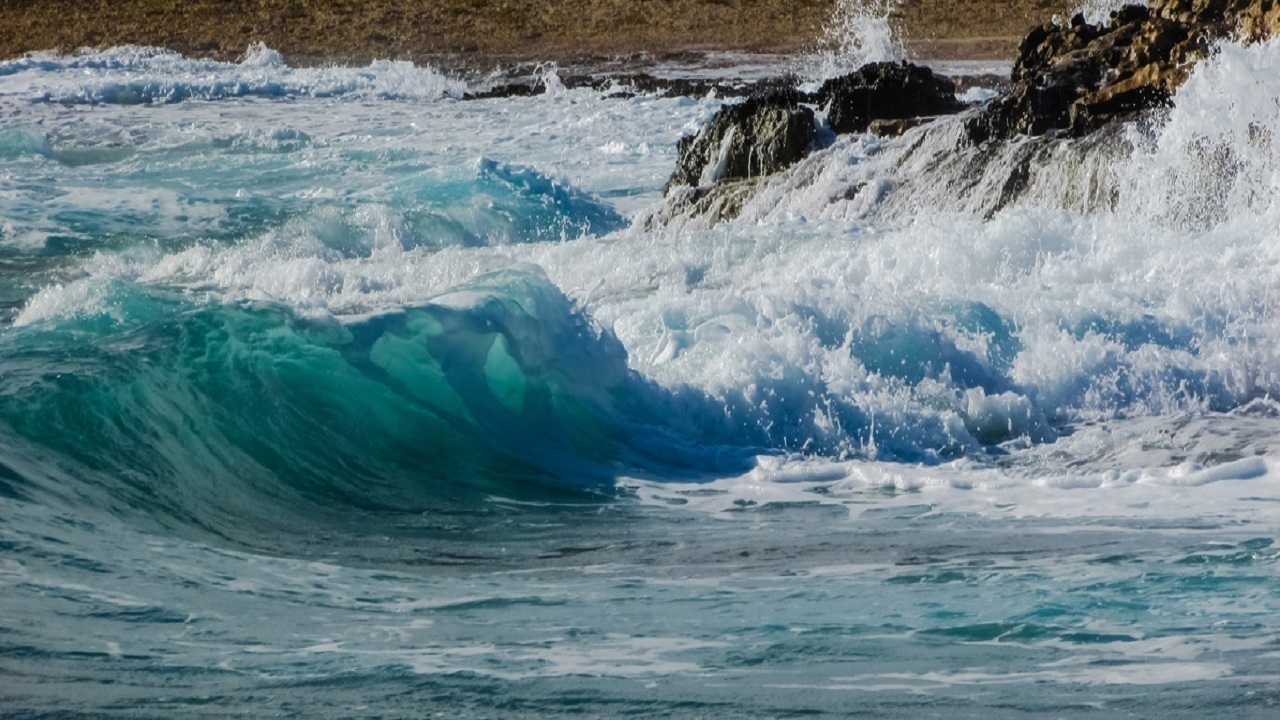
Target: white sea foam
133,75
864,306
859,32
1097,12
1023,456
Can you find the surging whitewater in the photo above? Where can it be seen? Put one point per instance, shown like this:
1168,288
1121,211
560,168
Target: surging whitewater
323,388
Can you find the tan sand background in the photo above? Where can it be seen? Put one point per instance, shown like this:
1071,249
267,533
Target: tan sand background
311,31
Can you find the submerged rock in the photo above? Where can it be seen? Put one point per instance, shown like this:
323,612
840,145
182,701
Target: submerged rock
768,132
886,91
1074,79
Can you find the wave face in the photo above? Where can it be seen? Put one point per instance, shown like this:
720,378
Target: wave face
911,314
320,379
201,413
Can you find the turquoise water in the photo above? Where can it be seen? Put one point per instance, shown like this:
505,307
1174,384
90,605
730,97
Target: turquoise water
326,393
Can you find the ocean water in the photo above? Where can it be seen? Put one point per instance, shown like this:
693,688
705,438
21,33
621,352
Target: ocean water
324,393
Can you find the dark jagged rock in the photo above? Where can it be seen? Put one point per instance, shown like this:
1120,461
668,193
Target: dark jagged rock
718,170
630,84
1251,20
1076,78
768,132
526,88
885,91
684,87
696,87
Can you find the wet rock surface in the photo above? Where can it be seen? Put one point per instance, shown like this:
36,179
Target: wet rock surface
775,127
720,168
768,132
1075,78
629,84
1069,80
886,91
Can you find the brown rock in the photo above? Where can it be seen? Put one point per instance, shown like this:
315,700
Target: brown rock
895,127
1073,79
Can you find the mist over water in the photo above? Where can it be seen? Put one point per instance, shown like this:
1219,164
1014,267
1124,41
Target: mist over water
322,388
858,33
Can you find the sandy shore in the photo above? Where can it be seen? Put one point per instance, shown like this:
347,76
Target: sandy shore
313,31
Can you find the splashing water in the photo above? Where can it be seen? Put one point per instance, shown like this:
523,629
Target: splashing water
1097,12
858,33
324,388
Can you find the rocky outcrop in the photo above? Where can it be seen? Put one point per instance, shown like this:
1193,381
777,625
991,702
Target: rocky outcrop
761,136
1073,79
1250,20
885,91
718,169
529,82
773,129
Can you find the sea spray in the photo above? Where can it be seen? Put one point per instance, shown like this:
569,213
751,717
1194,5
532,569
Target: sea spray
137,75
1097,12
285,427
859,32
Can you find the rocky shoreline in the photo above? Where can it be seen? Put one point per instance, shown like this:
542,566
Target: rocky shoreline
1070,79
500,31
